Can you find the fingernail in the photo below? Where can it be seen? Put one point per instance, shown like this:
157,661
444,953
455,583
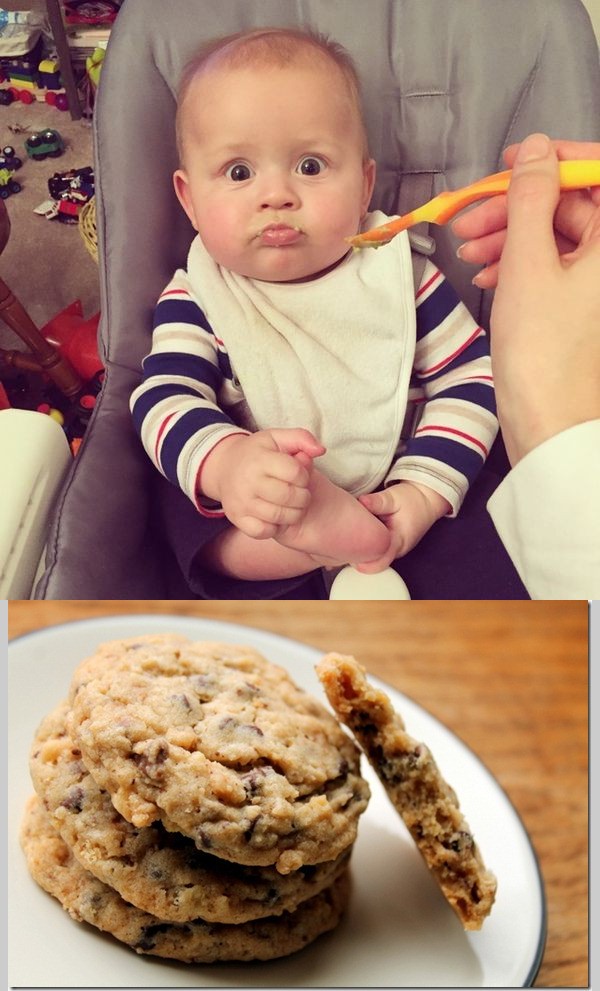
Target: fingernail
475,281
459,251
533,148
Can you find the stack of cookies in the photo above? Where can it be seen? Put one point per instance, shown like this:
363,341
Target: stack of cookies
193,801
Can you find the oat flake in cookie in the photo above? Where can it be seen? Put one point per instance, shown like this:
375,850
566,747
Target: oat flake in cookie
160,872
220,745
87,899
427,804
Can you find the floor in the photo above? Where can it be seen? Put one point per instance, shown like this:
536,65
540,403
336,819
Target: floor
45,263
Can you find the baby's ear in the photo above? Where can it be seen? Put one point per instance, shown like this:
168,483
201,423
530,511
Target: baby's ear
182,191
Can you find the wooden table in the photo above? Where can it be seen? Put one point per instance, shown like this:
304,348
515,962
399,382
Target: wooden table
509,678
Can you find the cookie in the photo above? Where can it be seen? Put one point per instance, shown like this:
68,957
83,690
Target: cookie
162,873
220,745
426,803
87,899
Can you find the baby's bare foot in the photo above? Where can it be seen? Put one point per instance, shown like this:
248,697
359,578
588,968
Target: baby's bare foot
336,527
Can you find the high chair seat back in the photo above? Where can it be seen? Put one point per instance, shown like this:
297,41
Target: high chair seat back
446,87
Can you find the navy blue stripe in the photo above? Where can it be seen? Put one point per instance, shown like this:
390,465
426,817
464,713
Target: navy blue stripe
174,363
479,348
450,452
474,392
145,403
182,310
190,423
436,308
225,365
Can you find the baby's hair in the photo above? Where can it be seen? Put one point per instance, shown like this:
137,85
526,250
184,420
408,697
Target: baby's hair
270,46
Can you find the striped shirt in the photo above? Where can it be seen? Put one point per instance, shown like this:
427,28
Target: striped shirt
186,401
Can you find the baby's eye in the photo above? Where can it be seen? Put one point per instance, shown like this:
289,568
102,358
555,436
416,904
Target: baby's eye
310,165
239,172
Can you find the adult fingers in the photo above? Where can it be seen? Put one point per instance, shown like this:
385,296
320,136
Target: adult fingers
487,278
485,218
532,199
483,250
565,150
574,213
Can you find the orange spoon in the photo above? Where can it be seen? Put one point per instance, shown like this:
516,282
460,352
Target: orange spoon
444,206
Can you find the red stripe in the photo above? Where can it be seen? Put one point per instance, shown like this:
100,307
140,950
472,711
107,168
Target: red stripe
428,283
451,430
160,433
174,292
202,509
450,357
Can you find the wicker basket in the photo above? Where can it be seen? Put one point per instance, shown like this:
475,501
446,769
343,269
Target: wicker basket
87,227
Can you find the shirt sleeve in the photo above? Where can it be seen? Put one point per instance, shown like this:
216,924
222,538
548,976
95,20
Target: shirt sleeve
453,386
546,515
175,408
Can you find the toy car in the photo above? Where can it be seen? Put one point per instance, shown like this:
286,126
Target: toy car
9,159
62,184
8,185
44,144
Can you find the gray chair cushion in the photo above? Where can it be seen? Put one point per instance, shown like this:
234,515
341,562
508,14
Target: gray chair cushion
447,85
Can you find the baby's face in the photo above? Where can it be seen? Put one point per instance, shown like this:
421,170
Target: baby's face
274,177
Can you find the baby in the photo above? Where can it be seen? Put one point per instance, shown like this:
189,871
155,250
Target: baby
277,386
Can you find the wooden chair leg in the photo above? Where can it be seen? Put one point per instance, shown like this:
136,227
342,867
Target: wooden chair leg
50,360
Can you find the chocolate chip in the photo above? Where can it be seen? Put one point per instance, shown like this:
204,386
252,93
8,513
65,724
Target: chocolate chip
184,701
148,935
74,800
253,780
249,833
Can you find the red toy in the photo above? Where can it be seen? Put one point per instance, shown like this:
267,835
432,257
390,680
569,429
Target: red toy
76,339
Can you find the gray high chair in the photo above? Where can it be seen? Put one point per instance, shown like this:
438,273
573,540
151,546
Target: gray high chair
447,85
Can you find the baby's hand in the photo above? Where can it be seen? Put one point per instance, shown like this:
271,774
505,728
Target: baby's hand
261,479
408,509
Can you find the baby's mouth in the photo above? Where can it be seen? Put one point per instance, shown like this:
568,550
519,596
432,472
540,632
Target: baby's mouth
279,235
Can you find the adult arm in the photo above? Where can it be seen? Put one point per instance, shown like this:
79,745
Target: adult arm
545,339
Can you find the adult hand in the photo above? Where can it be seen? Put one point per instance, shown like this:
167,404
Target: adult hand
545,322
484,227
261,479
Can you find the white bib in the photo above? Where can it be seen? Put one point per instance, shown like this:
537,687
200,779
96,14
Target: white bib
333,355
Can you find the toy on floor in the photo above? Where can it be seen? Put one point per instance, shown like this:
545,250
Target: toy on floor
72,190
9,159
8,185
44,144
31,79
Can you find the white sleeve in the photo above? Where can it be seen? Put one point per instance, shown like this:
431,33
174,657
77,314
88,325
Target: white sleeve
547,514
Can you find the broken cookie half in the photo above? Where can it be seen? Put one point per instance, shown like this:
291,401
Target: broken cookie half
409,773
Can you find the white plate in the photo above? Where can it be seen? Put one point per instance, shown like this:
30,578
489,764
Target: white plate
398,931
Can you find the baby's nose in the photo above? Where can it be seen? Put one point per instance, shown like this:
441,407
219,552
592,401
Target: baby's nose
278,193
